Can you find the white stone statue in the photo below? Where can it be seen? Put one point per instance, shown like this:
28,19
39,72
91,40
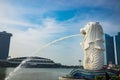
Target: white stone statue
93,46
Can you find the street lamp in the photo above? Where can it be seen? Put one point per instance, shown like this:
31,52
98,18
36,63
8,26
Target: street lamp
80,62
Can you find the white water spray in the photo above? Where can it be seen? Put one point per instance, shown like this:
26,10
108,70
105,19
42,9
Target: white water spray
17,68
28,59
54,41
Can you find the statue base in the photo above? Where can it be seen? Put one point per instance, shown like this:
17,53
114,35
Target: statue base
78,74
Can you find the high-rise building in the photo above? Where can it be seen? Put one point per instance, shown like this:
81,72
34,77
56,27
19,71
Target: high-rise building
4,44
109,49
117,41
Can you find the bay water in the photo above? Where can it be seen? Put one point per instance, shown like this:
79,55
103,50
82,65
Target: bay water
34,73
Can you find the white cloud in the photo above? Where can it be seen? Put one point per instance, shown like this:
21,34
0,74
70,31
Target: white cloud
110,28
12,14
26,42
17,23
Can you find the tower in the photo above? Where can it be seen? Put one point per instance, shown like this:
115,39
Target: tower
117,41
4,44
109,49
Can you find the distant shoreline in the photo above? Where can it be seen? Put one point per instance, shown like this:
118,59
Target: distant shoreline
6,64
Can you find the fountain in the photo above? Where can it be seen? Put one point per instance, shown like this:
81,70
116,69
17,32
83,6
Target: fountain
93,46
29,58
17,68
93,54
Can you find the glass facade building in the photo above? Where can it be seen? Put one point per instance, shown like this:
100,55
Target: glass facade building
4,44
117,41
109,49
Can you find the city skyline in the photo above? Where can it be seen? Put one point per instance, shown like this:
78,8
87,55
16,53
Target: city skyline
36,23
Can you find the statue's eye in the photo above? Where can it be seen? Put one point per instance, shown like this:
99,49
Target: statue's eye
84,33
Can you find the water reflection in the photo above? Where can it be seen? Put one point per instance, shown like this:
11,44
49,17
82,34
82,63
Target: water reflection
2,73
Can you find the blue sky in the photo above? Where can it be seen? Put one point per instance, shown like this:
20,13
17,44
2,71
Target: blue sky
35,23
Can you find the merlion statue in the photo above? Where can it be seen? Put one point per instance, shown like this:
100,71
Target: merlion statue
93,46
